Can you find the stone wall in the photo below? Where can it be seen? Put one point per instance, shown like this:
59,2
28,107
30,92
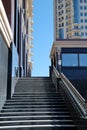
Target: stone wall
3,70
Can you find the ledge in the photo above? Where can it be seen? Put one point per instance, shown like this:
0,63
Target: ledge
68,43
5,28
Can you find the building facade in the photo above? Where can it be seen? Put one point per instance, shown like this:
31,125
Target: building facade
15,43
69,49
70,19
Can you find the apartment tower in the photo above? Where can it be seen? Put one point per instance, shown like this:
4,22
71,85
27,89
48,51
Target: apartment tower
70,19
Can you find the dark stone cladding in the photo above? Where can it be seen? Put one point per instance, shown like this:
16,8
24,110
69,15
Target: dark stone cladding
81,86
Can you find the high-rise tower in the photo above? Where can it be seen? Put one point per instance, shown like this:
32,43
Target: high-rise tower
69,49
70,19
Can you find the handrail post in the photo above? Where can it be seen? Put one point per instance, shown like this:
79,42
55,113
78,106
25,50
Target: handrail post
50,71
58,82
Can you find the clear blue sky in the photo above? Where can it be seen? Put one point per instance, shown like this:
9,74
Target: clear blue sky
43,36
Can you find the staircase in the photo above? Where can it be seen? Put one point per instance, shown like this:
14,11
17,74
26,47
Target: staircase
35,105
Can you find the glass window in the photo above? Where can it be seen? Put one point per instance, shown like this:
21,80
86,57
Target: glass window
76,34
81,7
85,14
70,60
85,7
82,33
81,27
81,14
81,1
85,27
83,59
85,1
85,20
81,20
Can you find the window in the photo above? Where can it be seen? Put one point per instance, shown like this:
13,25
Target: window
82,33
81,1
83,59
85,1
76,34
85,7
81,14
81,7
62,24
70,60
76,27
81,20
81,27
85,14
85,20
85,27
86,34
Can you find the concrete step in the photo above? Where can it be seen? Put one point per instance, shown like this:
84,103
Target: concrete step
34,103
40,127
36,122
35,117
34,109
34,106
63,113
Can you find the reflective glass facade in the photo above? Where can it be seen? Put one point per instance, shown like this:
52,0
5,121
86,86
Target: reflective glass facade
70,60
74,60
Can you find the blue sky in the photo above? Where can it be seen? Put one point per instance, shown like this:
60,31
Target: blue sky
43,36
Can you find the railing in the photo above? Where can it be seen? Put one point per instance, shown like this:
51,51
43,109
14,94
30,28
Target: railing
78,102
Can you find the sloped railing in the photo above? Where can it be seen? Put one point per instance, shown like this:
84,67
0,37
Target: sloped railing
78,102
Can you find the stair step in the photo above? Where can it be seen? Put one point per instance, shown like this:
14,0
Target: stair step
33,100
34,103
26,96
21,93
36,122
34,109
41,97
35,113
35,117
45,94
40,127
33,106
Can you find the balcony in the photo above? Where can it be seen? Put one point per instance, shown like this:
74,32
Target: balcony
30,54
31,45
32,22
31,37
31,29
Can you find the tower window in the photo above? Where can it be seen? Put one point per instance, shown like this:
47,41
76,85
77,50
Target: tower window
82,33
81,7
62,24
81,14
85,1
81,20
85,20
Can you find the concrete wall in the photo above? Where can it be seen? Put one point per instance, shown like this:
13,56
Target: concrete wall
3,70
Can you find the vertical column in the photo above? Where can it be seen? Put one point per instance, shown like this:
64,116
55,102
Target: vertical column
59,59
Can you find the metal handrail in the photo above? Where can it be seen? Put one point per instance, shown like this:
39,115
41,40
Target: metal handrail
74,95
